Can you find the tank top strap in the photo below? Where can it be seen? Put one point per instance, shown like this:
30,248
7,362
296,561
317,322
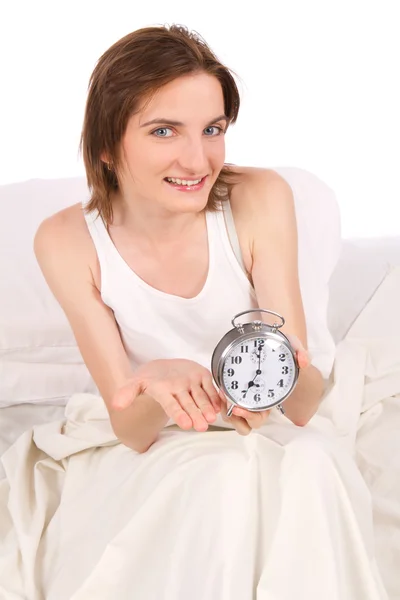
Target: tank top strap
232,233
102,242
229,241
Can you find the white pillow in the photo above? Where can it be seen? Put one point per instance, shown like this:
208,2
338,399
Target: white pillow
319,245
39,358
362,267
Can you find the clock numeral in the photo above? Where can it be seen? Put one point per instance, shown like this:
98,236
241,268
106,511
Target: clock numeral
258,343
282,357
280,383
257,397
236,360
244,349
285,370
271,394
234,385
230,372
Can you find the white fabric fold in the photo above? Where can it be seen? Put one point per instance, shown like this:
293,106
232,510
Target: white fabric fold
217,515
283,513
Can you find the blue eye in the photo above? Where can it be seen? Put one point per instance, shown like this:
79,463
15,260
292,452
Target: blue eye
219,130
161,129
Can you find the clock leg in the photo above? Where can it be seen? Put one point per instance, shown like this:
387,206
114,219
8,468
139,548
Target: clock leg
230,409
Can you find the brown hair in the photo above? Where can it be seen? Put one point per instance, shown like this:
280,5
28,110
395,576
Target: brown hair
131,71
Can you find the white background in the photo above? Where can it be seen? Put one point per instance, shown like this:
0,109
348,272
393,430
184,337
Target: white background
320,84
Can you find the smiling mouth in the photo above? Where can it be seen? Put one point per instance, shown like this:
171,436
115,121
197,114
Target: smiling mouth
185,182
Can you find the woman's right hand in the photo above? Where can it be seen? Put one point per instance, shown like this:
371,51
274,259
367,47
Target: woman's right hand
183,388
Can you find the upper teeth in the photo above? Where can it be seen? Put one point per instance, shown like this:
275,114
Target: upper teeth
183,181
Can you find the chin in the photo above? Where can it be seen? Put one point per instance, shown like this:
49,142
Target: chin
187,202
189,206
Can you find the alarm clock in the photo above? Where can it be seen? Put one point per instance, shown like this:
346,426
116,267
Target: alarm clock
255,365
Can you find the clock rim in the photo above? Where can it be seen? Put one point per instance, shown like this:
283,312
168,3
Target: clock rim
233,338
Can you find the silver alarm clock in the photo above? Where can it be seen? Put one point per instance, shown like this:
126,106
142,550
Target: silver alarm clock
255,365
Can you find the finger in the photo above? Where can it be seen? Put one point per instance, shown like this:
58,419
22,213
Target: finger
223,400
295,342
202,400
254,419
224,412
224,409
212,393
303,359
174,410
241,425
185,399
302,355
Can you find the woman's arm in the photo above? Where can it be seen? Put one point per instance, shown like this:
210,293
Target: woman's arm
64,252
267,201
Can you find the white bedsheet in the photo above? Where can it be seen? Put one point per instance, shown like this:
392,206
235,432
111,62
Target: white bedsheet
16,419
83,517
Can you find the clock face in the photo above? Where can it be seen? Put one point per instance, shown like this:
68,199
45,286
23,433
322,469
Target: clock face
258,373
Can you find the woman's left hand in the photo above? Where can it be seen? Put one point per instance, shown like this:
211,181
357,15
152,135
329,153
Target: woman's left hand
244,420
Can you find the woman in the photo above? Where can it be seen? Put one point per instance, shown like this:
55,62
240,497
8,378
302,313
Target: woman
148,280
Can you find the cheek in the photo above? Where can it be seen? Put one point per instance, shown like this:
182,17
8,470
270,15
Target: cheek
144,160
135,153
216,150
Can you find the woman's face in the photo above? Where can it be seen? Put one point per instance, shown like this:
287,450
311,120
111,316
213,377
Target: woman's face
179,134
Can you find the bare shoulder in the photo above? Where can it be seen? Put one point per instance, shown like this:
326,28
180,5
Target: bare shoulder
258,189
62,240
67,222
262,201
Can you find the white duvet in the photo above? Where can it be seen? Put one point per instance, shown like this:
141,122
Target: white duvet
282,514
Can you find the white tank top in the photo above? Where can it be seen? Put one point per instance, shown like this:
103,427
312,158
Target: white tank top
154,324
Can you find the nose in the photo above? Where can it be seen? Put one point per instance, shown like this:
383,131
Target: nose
193,157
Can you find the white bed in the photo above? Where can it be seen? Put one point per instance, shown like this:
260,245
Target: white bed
41,368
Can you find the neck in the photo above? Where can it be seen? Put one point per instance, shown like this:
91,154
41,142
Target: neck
153,223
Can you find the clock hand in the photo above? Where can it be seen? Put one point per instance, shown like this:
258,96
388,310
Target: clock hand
258,372
250,384
259,361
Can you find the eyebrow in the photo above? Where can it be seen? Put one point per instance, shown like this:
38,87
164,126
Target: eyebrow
164,121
